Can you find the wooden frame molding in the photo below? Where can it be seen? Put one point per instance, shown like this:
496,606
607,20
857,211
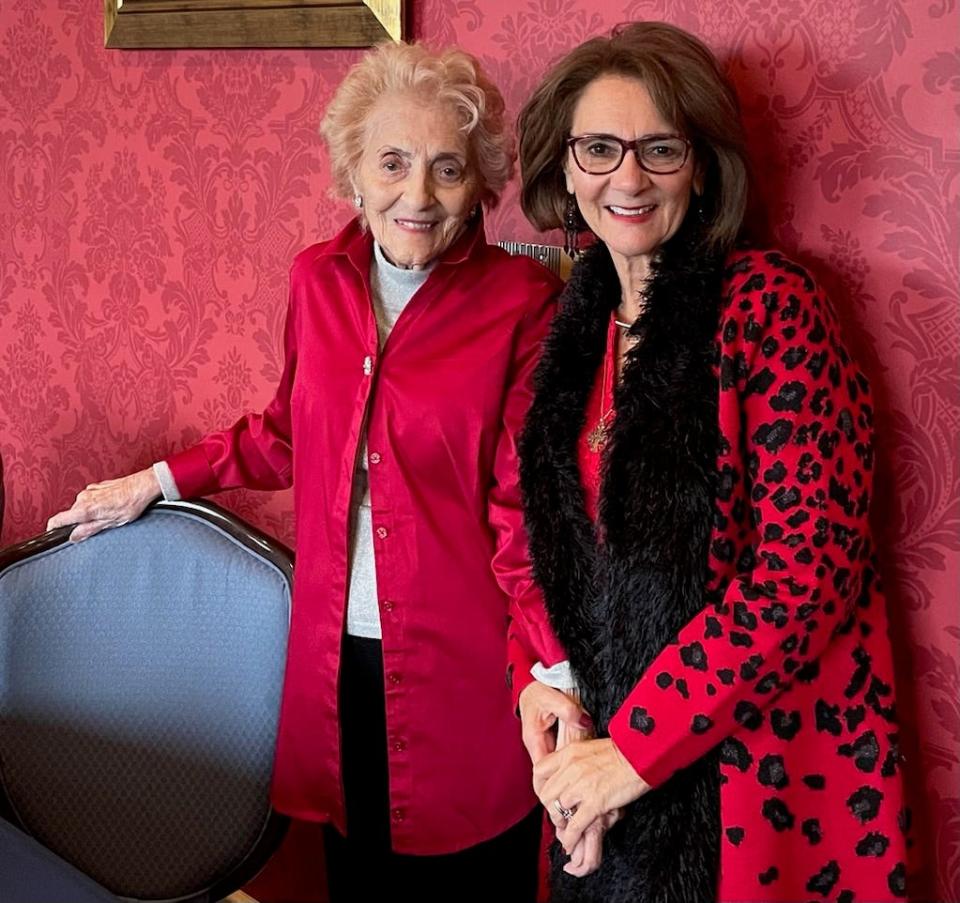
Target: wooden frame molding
169,24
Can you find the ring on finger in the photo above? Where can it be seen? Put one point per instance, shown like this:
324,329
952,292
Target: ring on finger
563,810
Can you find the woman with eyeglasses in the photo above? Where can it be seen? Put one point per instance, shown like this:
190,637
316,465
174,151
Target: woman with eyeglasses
696,469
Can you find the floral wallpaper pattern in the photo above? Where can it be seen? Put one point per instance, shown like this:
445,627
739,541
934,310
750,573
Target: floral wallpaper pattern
150,204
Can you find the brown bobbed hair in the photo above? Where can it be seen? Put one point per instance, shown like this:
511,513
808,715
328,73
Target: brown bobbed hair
689,90
448,76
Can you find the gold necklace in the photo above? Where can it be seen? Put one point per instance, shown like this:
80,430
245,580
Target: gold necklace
597,437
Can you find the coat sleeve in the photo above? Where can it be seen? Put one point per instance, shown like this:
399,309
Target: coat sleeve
802,411
256,451
530,637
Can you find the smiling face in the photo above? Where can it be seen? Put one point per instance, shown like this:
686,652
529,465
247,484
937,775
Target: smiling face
632,211
416,178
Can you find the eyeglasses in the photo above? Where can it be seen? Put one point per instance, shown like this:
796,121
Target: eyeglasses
600,155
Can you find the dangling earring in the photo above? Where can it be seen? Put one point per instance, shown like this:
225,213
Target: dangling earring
571,227
358,201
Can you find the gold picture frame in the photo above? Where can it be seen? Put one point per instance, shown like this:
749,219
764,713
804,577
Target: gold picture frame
170,24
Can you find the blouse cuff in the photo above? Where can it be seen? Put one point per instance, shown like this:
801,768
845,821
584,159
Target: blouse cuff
559,676
168,485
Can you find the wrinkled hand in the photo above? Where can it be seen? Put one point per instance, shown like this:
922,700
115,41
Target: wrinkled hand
111,503
587,855
591,777
542,707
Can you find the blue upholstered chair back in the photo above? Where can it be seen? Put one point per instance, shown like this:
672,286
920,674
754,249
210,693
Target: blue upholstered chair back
140,678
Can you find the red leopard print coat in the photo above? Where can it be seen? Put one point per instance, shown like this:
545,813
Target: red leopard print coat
783,680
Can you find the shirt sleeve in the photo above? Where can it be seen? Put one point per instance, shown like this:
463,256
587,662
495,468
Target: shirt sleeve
255,452
520,662
804,416
530,637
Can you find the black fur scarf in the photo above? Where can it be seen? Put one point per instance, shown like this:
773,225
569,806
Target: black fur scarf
616,601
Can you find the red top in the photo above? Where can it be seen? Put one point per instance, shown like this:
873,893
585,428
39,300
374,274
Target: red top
443,402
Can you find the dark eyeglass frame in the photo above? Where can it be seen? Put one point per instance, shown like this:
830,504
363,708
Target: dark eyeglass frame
625,146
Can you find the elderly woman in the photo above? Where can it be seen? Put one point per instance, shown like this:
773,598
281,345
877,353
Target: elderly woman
696,471
409,344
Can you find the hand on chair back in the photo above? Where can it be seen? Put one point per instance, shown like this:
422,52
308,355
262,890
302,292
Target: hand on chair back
111,503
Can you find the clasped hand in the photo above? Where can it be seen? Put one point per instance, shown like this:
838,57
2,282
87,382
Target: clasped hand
588,776
592,778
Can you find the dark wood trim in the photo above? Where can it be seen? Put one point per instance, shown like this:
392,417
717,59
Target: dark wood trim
266,546
171,24
278,554
33,546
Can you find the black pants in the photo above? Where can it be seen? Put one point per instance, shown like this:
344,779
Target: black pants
362,867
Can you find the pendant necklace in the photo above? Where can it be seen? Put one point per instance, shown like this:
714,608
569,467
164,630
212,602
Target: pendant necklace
597,437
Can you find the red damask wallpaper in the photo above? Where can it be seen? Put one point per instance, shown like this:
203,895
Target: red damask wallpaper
150,203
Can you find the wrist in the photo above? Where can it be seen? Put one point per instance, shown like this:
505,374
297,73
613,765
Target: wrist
150,488
635,785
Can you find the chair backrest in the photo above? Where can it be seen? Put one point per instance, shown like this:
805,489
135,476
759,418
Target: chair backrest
552,257
140,679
